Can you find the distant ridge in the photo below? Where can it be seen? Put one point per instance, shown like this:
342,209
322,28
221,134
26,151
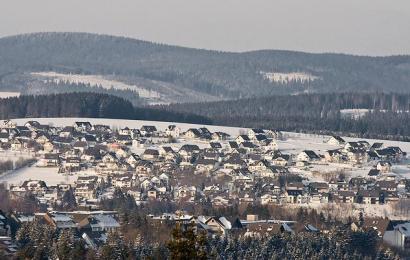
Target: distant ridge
202,74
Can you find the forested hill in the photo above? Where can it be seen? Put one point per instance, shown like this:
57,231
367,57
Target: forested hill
86,105
387,115
220,75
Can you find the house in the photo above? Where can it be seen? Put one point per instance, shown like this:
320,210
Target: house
205,133
234,162
165,150
268,198
72,163
390,186
345,196
359,183
383,166
218,225
390,154
205,164
275,134
252,133
349,146
83,127
185,193
150,154
100,222
58,220
173,131
32,125
242,139
4,137
85,191
81,146
192,133
220,136
336,140
144,166
16,145
49,160
335,156
318,187
215,145
148,130
308,156
125,131
294,196
133,159
376,146
280,159
187,150
368,196
270,145
399,237
152,193
124,139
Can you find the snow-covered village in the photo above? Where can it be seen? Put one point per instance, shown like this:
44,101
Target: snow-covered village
70,167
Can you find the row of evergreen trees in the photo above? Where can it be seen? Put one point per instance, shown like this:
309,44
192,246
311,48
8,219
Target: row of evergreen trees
39,241
92,105
318,113
46,88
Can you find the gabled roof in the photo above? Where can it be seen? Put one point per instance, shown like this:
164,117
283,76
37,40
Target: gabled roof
338,138
257,130
233,145
148,128
151,152
311,154
374,172
215,145
189,148
378,224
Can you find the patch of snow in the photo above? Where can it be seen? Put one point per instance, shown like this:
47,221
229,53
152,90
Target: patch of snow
4,94
285,78
96,81
49,175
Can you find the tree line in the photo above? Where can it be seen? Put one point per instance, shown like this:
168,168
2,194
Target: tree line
314,113
85,104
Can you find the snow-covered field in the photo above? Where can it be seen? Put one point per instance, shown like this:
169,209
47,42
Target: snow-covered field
95,81
285,78
357,113
49,175
14,155
4,94
354,113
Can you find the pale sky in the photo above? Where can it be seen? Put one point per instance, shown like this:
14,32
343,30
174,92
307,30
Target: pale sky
366,27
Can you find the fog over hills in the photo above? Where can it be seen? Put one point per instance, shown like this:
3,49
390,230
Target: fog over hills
156,73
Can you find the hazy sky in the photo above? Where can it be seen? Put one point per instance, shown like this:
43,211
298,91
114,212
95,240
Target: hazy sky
371,27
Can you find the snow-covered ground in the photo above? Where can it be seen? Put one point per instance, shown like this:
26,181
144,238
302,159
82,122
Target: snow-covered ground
49,175
285,78
357,113
14,155
4,94
95,81
354,113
